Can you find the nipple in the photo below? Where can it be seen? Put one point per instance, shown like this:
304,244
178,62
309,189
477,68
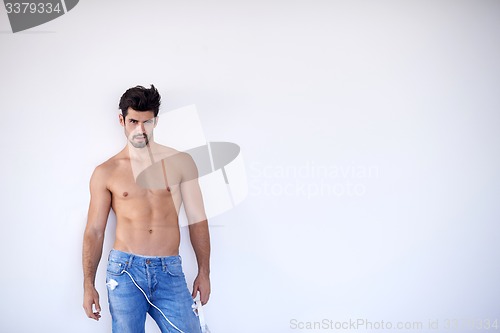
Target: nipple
168,188
125,194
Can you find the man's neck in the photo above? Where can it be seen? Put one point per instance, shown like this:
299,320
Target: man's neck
141,158
142,155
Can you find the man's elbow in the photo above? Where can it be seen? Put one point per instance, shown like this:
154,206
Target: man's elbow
93,234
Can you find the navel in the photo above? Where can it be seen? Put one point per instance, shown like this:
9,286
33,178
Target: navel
150,231
125,194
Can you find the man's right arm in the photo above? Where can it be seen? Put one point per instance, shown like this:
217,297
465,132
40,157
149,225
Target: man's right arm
100,204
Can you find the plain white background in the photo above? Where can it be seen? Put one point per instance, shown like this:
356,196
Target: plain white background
370,132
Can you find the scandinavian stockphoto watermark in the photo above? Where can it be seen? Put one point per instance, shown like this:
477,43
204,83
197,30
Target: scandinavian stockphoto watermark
220,168
363,324
28,14
310,179
355,324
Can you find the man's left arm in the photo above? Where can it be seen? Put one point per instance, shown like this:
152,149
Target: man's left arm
200,239
198,227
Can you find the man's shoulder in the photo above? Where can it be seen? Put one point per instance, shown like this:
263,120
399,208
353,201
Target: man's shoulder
108,166
164,152
170,154
173,156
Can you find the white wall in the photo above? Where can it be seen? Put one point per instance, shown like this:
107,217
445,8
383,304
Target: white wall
394,101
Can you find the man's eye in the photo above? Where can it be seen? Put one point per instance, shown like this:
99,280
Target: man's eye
133,121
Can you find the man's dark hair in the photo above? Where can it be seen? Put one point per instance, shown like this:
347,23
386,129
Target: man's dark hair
140,99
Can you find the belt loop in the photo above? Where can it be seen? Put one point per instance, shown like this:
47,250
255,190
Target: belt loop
164,264
130,260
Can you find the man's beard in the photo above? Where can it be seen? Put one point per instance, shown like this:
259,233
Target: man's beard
140,144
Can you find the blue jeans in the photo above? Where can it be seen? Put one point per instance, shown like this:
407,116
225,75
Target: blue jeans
162,280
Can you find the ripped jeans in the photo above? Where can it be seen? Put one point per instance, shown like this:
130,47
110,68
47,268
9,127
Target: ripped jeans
163,282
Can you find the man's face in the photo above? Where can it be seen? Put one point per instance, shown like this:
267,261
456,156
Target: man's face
138,127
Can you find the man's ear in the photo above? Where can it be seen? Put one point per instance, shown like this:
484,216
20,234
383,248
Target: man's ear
122,120
156,120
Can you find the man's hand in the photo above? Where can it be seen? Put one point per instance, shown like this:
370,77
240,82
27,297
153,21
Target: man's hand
202,284
91,297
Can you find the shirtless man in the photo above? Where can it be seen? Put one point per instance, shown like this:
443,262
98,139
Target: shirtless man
145,184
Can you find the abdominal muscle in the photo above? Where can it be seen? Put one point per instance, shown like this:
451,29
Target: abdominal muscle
141,232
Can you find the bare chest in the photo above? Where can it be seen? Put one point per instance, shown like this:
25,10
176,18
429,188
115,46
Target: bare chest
154,187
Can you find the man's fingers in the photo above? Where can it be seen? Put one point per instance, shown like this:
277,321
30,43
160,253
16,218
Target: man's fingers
204,298
97,306
94,315
88,306
195,290
203,286
90,314
97,313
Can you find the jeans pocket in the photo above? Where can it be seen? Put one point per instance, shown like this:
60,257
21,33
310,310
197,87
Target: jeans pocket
115,268
175,269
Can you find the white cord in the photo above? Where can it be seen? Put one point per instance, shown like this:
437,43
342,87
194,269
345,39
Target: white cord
201,316
124,271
